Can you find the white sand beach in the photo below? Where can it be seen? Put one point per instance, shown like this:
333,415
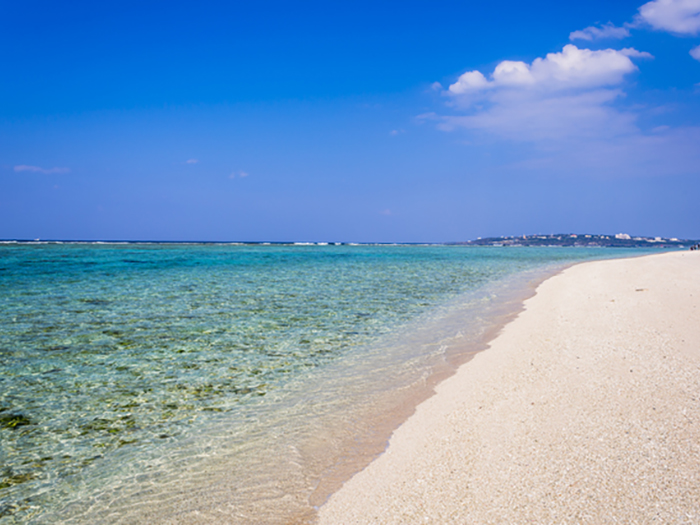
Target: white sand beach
585,409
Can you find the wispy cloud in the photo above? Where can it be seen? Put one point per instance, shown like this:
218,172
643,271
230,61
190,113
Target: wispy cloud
525,116
681,17
633,53
598,33
695,53
239,174
675,16
37,169
191,161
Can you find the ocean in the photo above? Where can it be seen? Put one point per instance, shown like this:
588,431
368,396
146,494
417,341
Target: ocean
205,383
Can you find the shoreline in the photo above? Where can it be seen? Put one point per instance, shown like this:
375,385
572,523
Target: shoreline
381,424
347,410
549,424
319,429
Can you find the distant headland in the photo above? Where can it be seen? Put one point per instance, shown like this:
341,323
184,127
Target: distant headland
620,240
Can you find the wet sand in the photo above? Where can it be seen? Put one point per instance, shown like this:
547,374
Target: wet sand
585,409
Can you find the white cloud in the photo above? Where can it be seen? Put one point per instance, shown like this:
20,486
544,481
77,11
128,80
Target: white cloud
564,113
571,68
575,67
513,73
239,174
562,96
525,116
191,161
469,81
578,131
37,169
675,16
565,95
596,33
632,52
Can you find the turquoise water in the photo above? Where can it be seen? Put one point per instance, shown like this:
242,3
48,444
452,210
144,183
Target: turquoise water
221,380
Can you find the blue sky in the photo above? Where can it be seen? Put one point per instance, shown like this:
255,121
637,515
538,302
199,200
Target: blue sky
357,121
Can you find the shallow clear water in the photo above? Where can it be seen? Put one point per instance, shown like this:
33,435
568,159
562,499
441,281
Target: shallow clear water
218,380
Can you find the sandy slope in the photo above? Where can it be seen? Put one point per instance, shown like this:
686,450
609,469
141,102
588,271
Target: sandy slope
586,409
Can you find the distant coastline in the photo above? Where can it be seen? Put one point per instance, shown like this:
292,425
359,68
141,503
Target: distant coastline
620,240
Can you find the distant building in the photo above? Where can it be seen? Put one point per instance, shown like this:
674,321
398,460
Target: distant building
623,236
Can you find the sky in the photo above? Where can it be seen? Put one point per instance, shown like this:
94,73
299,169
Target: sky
348,121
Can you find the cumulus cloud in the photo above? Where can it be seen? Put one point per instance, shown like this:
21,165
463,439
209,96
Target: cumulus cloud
597,33
674,16
571,68
469,82
563,98
37,169
565,112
